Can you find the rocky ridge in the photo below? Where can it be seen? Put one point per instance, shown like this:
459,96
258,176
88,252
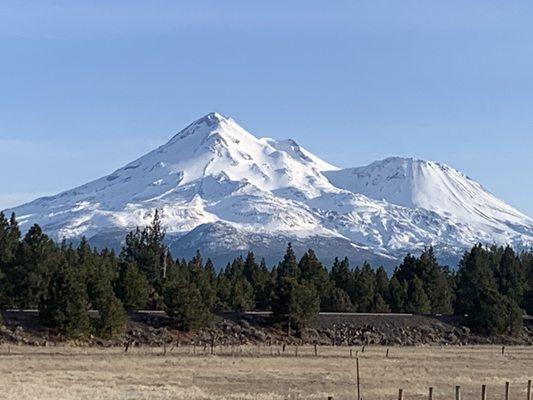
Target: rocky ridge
230,330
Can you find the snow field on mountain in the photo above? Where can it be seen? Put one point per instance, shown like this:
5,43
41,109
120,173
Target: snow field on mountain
216,173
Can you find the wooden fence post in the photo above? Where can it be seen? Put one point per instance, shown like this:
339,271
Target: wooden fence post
430,393
529,390
387,355
400,394
351,353
483,392
458,393
503,350
506,390
316,351
358,379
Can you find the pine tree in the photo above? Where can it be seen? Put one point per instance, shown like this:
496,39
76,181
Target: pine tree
398,295
304,305
259,278
314,273
189,293
441,293
64,307
510,276
184,304
515,319
286,278
382,284
407,270
223,291
204,279
380,305
417,299
262,285
477,294
474,278
146,248
288,267
240,295
490,318
98,272
132,288
210,273
250,268
365,287
338,301
9,242
113,318
35,260
342,277
294,302
436,282
526,261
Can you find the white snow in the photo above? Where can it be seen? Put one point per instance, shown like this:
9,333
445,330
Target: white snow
214,171
436,187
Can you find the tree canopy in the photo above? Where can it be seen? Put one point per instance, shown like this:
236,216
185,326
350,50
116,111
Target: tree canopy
493,286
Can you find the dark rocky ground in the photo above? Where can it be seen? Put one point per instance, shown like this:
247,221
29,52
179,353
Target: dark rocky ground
154,329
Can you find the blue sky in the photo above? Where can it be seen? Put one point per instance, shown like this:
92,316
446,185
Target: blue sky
87,86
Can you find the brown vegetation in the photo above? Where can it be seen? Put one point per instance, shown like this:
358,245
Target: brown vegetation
251,372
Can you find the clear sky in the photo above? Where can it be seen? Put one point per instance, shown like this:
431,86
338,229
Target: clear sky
86,86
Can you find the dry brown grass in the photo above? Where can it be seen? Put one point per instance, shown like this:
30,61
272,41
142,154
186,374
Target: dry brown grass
144,373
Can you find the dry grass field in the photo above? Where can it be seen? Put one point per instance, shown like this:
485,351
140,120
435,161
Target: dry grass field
253,373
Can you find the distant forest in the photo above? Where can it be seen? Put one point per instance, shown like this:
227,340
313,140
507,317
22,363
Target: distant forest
493,285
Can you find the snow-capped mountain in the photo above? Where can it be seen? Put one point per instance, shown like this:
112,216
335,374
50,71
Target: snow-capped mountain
436,187
224,191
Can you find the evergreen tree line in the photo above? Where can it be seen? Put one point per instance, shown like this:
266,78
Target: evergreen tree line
492,285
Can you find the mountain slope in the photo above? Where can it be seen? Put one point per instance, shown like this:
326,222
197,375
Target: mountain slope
204,163
223,190
436,187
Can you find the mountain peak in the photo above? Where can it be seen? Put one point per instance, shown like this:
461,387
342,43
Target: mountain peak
430,185
204,125
413,166
212,118
406,161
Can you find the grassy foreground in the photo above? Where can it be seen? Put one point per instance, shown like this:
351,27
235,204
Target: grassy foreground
253,373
